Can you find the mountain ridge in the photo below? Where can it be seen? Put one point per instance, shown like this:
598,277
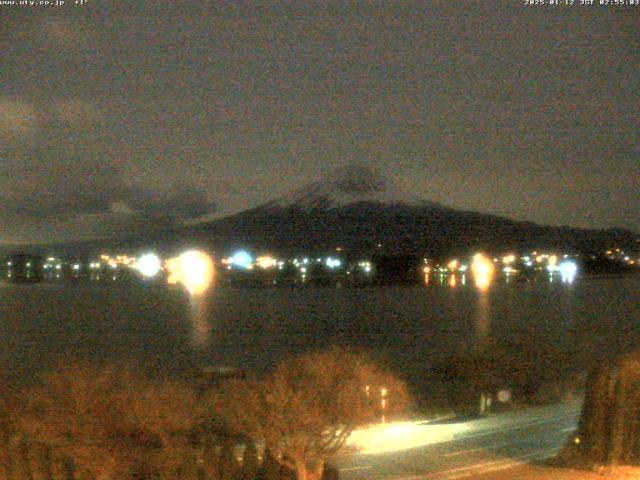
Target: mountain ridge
357,208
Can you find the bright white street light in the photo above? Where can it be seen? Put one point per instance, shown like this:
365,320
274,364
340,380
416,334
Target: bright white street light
149,265
333,262
568,270
241,259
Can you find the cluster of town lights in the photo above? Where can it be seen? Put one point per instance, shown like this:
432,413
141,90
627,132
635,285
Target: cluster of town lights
483,268
243,260
195,269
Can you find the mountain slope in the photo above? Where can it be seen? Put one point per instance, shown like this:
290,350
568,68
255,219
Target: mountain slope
358,209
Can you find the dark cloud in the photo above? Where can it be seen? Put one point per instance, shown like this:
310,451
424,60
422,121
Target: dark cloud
94,198
89,200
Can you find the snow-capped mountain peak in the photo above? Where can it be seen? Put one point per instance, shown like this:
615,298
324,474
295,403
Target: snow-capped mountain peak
354,183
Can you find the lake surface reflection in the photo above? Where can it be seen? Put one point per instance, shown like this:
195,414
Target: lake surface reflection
413,327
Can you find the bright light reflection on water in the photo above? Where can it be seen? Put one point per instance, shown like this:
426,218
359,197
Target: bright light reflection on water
483,316
194,270
201,327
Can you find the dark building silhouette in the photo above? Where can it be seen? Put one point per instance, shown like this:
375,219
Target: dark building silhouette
23,268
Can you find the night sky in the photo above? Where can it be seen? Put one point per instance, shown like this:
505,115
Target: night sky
157,113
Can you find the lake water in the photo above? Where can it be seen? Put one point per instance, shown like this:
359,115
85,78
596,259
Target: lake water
413,327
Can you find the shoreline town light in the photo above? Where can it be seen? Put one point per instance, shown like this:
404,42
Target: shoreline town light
332,262
265,262
241,259
568,270
149,265
482,269
193,269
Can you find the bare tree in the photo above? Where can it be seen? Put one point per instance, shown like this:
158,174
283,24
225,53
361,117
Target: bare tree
250,461
109,421
308,407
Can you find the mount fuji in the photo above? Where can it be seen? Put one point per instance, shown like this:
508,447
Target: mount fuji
358,209
363,212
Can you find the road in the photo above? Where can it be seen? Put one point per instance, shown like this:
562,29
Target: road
451,450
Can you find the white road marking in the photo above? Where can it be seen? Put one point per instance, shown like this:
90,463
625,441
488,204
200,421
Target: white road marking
355,469
499,445
507,464
480,468
472,450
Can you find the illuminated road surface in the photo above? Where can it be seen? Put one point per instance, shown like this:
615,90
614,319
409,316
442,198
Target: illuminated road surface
460,450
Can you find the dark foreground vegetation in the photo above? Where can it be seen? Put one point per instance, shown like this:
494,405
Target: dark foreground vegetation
607,441
609,429
88,422
532,373
84,421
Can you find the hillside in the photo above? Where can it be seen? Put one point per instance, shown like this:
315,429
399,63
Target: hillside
358,209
